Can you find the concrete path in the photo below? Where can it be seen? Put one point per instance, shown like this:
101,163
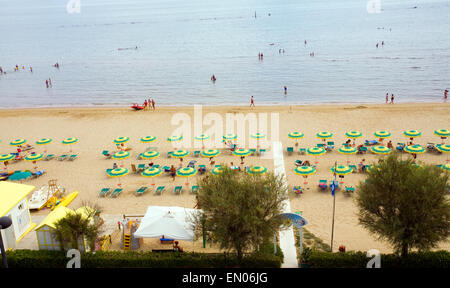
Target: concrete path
287,240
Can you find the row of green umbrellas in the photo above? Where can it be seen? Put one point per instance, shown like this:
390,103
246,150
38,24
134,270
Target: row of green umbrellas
44,141
379,134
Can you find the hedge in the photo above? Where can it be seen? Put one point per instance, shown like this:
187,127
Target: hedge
139,259
438,259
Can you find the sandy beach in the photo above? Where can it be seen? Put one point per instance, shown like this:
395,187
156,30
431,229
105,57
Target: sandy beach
96,128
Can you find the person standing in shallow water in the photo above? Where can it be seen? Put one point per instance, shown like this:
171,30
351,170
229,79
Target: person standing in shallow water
445,95
392,99
387,98
252,102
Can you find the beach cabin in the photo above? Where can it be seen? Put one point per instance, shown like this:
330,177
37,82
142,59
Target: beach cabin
14,204
45,230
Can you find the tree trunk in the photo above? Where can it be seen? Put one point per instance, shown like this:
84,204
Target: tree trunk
404,250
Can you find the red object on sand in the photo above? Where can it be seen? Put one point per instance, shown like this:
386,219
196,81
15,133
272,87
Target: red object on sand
137,107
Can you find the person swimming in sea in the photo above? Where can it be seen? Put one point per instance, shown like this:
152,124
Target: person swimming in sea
213,78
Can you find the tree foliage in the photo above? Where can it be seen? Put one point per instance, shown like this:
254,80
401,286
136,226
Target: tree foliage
405,204
240,210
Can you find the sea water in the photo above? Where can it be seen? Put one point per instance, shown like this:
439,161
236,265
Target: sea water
181,43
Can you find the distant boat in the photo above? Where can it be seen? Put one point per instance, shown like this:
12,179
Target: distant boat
137,107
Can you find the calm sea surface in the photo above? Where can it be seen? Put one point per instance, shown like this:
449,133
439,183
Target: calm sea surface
181,43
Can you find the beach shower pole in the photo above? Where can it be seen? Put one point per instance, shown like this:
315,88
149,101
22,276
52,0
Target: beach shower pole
333,188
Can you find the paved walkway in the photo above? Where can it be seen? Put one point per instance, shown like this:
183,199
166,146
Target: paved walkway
287,240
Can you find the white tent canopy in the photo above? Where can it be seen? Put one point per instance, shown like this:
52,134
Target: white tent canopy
172,222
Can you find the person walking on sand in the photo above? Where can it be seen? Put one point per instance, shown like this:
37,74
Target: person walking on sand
252,102
153,104
392,98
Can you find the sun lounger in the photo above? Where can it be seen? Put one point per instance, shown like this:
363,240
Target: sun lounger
355,169
141,190
26,148
262,152
298,162
169,154
177,190
320,145
49,157
156,166
140,168
104,192
289,150
73,157
194,189
253,151
159,190
371,142
349,190
62,157
298,190
107,154
37,173
139,157
116,192
166,169
196,153
323,184
302,151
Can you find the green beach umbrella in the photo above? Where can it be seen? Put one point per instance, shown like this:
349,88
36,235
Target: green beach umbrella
150,155
202,137
444,133
121,140
180,153
412,133
258,135
44,141
347,150
210,153
18,142
121,155
414,149
148,139
444,148
353,134
118,172
382,134
316,151
174,138
324,135
229,136
69,141
341,170
296,135
304,171
242,152
151,172
186,172
217,170
257,170
34,157
446,167
380,150
6,157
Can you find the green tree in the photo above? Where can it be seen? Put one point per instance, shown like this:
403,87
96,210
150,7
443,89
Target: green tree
75,226
240,210
405,204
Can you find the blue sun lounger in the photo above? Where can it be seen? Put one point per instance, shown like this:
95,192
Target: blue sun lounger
177,189
116,192
159,190
104,192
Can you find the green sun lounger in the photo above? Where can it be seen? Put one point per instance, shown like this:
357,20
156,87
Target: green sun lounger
156,166
104,192
141,190
62,157
49,157
253,151
196,153
159,190
349,190
177,189
289,150
169,154
194,189
72,157
302,151
140,168
262,152
116,192
106,154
